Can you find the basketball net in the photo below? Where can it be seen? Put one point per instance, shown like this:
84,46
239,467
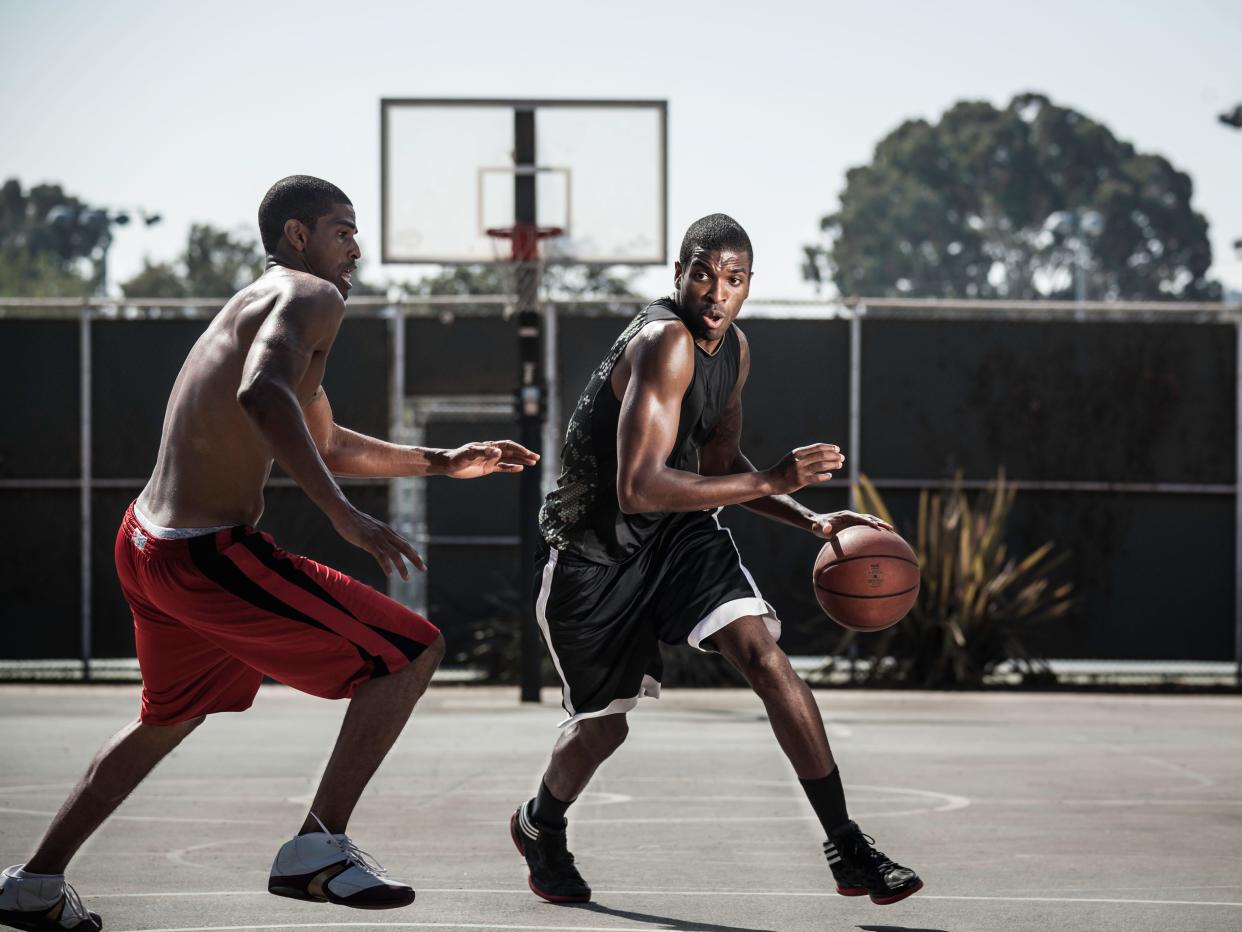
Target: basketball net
521,271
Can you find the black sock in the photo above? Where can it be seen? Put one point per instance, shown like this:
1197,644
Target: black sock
827,798
548,810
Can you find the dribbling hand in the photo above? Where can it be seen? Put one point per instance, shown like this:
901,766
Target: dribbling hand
827,525
805,466
380,541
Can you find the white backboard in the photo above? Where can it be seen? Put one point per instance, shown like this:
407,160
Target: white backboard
448,168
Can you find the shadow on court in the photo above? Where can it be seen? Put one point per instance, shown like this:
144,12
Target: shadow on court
662,922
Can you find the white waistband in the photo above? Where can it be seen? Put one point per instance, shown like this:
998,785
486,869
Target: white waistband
173,533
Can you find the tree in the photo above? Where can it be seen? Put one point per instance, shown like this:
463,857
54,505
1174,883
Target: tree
51,243
983,204
567,280
215,264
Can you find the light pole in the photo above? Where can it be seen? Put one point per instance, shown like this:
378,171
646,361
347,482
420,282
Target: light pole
103,220
1077,226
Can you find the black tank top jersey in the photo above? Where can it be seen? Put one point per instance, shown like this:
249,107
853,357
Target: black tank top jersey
581,514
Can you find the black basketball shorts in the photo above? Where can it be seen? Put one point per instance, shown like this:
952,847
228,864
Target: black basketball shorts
602,623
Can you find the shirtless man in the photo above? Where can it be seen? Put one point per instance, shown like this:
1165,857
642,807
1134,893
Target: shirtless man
217,605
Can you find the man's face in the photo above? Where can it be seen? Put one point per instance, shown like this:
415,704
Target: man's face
332,247
711,290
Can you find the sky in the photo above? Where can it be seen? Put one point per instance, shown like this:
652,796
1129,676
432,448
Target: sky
194,109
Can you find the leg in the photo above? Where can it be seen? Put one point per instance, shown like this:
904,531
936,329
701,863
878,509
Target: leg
538,827
579,751
376,715
791,707
118,767
857,867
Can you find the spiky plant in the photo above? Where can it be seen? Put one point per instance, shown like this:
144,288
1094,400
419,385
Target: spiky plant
976,601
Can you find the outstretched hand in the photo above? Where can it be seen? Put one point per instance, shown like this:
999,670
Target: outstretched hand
486,457
826,525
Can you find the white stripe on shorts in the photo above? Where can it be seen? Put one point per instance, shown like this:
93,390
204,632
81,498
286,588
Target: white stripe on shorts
724,615
650,689
541,616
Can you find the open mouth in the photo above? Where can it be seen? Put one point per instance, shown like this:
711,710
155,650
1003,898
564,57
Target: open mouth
713,319
348,276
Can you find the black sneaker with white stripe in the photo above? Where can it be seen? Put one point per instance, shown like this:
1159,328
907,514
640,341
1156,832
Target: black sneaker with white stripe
860,870
552,872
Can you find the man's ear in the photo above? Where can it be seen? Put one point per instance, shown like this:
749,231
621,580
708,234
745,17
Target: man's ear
297,233
677,273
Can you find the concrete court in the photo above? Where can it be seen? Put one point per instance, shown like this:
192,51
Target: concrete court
1021,811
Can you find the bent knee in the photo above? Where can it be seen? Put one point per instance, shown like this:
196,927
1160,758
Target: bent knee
429,656
434,652
175,730
766,665
605,733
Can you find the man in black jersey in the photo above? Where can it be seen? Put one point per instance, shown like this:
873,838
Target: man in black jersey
634,554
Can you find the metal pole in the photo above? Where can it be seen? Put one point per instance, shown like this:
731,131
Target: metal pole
1237,510
530,401
396,427
853,455
550,449
84,500
1080,268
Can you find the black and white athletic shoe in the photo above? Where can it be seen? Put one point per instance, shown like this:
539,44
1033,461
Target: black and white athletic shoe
552,872
43,904
860,870
328,868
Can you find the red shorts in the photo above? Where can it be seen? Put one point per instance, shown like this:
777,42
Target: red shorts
214,614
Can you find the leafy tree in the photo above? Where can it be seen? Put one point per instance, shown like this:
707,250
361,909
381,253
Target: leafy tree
983,204
215,264
568,280
51,243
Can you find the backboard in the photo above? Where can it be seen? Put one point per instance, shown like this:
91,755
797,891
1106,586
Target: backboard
451,169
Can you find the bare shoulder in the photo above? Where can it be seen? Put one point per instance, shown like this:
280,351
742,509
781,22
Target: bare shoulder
304,291
664,343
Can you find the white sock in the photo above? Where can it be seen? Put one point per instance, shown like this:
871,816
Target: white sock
22,874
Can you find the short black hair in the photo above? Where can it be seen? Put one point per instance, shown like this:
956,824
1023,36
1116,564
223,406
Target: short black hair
298,197
713,233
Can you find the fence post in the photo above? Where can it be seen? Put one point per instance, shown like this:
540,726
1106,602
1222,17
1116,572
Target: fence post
84,488
853,454
1237,509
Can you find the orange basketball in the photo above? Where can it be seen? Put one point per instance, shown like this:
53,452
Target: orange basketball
866,579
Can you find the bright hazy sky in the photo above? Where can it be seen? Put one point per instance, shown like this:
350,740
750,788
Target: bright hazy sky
194,109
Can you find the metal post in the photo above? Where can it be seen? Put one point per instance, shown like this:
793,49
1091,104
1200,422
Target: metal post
1080,265
84,500
530,403
396,427
853,455
1237,510
550,449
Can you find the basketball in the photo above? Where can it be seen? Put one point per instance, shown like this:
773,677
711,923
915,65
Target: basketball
866,579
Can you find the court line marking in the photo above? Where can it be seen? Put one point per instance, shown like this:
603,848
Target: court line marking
734,893
948,803
4,810
396,925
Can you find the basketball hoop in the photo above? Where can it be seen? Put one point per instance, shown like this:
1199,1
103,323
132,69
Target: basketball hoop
525,238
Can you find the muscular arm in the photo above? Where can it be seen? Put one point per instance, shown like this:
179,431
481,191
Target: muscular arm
661,361
348,453
299,332
722,455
